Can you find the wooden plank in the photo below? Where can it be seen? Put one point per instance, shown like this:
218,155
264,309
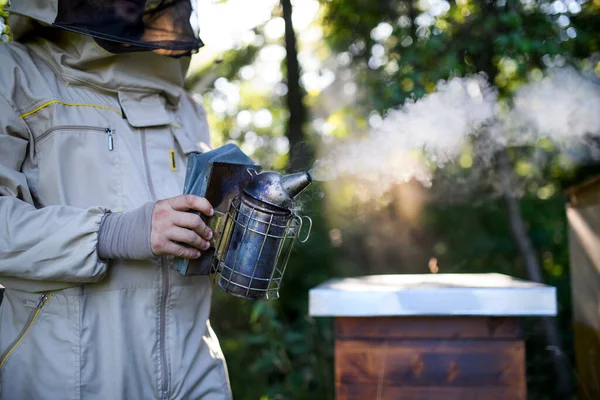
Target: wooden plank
428,327
375,392
458,363
587,356
585,193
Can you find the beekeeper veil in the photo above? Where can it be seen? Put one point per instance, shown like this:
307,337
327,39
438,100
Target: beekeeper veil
122,25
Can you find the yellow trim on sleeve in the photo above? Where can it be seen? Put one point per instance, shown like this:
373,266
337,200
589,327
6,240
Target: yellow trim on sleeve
64,103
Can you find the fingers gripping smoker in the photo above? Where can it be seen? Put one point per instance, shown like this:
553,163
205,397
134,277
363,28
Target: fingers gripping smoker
255,223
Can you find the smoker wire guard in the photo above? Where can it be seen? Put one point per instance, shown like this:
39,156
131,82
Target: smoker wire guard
220,175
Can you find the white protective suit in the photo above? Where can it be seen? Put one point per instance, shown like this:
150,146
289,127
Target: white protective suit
82,132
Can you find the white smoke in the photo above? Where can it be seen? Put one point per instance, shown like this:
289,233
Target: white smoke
437,124
563,106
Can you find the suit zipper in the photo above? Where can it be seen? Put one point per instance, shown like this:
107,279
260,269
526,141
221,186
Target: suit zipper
109,132
165,286
44,298
163,322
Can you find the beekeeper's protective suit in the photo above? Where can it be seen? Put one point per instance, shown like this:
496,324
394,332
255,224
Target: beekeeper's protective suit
92,125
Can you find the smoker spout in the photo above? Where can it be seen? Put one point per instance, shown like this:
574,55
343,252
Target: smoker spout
293,184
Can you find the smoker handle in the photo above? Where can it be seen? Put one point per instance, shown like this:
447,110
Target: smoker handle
310,223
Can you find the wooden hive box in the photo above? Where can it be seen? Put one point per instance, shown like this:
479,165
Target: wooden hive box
583,215
446,336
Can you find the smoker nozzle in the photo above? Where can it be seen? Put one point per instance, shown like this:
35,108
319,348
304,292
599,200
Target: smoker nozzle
276,189
296,183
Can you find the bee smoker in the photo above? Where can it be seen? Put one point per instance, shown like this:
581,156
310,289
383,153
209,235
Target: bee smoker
254,225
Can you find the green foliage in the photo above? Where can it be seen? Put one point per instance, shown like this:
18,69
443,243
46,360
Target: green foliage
5,32
227,66
510,41
505,40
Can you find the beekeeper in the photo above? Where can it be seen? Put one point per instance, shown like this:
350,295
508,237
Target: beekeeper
95,127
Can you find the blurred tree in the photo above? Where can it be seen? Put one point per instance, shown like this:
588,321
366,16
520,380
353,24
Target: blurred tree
399,49
402,49
299,152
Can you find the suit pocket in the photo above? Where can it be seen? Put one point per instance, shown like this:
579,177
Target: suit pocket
33,315
40,361
79,166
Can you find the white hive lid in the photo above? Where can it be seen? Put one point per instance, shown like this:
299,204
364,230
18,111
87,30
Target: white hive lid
432,294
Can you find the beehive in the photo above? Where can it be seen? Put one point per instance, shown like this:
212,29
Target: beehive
435,336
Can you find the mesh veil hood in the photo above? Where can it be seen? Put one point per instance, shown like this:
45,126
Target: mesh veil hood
122,25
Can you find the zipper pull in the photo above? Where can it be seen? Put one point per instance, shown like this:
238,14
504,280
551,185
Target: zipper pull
42,300
110,139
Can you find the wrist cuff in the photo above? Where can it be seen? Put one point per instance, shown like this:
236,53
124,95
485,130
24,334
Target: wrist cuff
126,236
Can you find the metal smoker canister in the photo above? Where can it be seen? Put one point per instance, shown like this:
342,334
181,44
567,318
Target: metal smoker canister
261,228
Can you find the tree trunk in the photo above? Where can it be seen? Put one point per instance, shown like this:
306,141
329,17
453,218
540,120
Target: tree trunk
299,154
516,222
534,271
412,15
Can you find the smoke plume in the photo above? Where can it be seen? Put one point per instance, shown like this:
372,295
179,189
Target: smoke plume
564,106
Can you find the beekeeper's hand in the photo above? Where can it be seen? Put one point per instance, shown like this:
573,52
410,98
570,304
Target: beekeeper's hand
157,228
172,226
